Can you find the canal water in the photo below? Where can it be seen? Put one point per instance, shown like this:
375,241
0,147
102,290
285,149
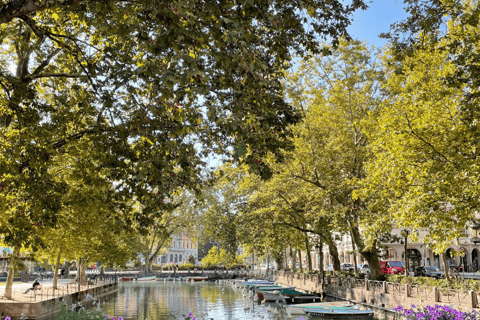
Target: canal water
174,300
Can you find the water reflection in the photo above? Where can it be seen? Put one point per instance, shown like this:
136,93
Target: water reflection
158,300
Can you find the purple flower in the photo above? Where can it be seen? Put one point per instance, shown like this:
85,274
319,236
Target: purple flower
413,306
398,309
8,318
120,318
107,316
190,315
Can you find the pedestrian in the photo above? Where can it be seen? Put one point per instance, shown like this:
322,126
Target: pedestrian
35,284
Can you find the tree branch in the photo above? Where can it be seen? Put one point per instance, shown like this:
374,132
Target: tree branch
65,75
18,8
46,62
423,140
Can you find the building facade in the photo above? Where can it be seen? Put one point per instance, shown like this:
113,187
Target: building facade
181,249
466,252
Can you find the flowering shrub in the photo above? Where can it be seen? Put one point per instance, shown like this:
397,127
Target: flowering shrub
436,313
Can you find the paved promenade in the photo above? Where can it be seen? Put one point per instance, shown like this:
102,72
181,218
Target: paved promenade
64,287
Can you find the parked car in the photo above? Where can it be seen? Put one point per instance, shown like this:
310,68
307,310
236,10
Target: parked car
364,268
425,271
347,267
392,267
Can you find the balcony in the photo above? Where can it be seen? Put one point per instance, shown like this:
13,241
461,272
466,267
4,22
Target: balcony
475,240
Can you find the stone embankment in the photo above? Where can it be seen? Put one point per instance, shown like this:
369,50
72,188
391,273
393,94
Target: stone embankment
381,294
45,302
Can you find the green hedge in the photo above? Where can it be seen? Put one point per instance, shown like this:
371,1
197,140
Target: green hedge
463,285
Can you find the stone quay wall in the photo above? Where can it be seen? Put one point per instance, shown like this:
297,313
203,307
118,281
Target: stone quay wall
381,294
45,309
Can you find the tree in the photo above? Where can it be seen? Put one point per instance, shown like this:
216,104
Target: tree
340,96
287,206
212,257
424,169
139,84
167,224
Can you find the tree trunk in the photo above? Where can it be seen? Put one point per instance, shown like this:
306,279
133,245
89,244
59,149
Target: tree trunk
300,260
320,266
102,273
309,255
332,249
67,265
77,276
293,254
11,272
354,257
279,261
447,271
146,256
151,260
371,256
57,267
83,273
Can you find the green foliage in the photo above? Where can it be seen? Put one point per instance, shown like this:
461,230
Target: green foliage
67,314
212,257
425,146
463,285
216,258
191,259
129,98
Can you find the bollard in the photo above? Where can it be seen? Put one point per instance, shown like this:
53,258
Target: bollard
473,300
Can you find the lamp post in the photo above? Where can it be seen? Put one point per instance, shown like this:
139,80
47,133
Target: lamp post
318,250
424,257
405,234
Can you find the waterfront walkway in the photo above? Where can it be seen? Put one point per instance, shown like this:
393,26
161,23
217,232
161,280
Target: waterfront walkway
64,288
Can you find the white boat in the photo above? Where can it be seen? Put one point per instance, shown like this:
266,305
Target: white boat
300,308
152,278
196,279
340,314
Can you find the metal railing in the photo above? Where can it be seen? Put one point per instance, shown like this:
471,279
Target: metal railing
395,287
453,296
375,285
47,292
422,292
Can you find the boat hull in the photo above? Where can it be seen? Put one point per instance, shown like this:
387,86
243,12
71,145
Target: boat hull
196,278
153,278
300,308
340,314
127,279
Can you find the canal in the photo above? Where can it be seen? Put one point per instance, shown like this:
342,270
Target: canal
159,300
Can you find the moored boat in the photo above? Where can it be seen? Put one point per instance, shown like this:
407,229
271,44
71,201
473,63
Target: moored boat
300,308
127,278
340,314
259,290
196,278
151,278
280,294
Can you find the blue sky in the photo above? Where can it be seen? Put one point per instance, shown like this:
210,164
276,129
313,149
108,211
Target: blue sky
368,24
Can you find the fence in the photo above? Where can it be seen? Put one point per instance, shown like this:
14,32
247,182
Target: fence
46,292
382,293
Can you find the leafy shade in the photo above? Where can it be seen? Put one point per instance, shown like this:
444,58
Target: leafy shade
143,86
426,147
